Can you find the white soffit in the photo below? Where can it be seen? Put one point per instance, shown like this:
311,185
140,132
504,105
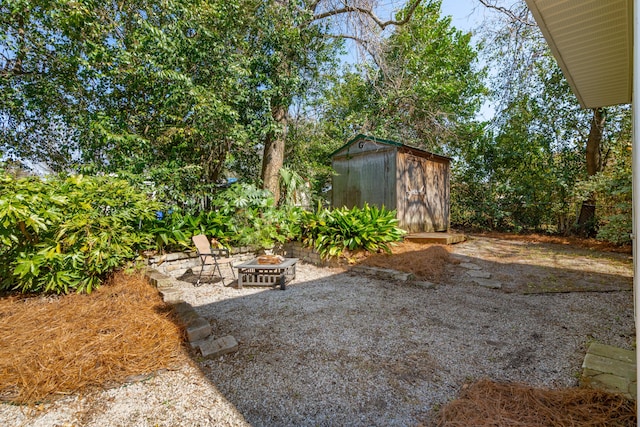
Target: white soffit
592,40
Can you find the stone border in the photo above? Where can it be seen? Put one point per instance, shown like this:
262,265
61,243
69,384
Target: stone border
176,264
197,329
389,274
384,273
479,276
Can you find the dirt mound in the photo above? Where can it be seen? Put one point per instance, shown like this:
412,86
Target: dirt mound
59,345
488,403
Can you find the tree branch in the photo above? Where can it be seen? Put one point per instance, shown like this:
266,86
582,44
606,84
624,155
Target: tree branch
356,39
313,5
366,45
513,16
370,13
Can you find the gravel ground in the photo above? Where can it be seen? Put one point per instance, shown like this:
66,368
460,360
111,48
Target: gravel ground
181,397
342,349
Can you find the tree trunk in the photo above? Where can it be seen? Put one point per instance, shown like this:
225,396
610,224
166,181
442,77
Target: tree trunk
273,157
586,219
594,160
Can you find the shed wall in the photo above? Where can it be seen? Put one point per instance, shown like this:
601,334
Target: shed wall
365,177
422,193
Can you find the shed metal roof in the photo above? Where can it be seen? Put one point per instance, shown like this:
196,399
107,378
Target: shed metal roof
389,142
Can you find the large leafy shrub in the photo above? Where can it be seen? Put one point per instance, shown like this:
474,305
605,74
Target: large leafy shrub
66,233
241,215
331,232
254,218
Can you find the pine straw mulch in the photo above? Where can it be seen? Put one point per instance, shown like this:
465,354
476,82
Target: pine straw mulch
58,345
425,261
488,403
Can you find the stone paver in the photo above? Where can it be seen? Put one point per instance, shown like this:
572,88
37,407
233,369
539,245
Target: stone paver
211,348
171,296
385,273
197,328
480,274
424,284
610,368
470,266
487,283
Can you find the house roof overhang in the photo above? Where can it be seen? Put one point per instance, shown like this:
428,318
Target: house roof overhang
592,40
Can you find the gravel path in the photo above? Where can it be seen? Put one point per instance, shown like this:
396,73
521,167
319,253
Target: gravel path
342,349
339,349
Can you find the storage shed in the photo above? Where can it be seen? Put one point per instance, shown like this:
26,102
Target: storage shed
386,173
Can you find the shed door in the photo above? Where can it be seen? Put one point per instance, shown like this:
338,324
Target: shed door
423,195
415,207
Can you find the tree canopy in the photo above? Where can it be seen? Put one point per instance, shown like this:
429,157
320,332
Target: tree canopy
184,93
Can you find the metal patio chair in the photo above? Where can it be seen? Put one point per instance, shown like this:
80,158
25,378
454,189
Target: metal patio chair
211,256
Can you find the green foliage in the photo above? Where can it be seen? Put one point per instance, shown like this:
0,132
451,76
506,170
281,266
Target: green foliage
422,89
65,234
242,197
241,215
309,145
515,178
179,92
331,232
42,70
430,88
254,219
171,232
295,191
179,186
519,173
612,189
131,85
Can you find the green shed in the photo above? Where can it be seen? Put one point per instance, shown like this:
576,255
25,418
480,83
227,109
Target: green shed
386,173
